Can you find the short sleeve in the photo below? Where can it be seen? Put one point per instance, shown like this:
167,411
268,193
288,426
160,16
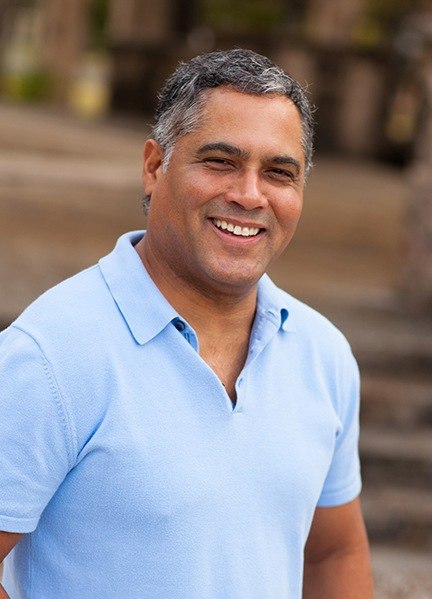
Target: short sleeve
36,442
343,481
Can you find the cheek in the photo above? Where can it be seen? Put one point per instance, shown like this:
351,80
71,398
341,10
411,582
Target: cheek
191,191
288,211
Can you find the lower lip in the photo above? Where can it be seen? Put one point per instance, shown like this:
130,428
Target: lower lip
243,239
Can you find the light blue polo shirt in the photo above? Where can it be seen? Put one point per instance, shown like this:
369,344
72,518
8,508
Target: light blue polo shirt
123,458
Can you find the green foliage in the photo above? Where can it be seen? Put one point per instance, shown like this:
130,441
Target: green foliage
389,11
27,87
243,15
380,20
98,16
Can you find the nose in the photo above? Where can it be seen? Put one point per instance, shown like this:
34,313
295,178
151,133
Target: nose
246,191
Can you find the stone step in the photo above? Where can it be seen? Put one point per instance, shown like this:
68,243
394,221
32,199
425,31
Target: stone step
401,572
401,458
385,339
397,401
43,130
398,516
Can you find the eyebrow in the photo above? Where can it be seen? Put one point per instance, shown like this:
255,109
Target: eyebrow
221,146
226,148
286,161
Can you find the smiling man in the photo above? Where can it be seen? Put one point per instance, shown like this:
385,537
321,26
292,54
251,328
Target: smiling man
172,423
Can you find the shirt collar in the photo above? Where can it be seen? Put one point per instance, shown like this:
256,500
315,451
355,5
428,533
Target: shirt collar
274,304
147,312
144,308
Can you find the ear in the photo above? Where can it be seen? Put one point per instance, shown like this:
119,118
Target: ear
152,165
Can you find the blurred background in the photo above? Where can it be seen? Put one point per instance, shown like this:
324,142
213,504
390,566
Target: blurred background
78,81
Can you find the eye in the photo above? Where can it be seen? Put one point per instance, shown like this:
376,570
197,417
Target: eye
281,175
219,164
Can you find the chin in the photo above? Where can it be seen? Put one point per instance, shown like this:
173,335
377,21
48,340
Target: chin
236,280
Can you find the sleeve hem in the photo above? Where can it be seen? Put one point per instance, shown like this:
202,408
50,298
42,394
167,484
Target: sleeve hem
340,497
18,525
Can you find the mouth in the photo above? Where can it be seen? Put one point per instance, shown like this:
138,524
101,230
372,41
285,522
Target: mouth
236,230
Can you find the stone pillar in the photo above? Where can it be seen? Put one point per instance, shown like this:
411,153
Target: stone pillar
65,39
359,129
140,22
417,275
329,28
298,62
331,22
141,37
8,8
417,271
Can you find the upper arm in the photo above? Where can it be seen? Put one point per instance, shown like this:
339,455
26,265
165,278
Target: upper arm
343,480
337,561
336,530
8,540
36,451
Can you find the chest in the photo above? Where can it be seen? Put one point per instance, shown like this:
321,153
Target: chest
175,450
226,358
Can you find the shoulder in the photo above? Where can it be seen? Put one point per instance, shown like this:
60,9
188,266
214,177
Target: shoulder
68,306
55,345
66,327
62,319
316,341
313,323
308,323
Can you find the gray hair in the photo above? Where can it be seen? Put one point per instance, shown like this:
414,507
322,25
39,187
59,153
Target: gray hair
182,99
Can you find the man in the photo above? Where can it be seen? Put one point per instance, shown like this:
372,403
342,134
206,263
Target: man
172,424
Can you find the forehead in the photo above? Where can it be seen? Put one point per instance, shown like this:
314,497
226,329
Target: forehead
225,101
266,121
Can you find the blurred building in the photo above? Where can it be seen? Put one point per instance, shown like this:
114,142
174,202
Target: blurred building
114,54
367,66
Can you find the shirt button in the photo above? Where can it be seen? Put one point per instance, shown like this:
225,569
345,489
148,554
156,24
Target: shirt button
180,325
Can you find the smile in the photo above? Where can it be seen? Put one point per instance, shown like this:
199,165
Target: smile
236,229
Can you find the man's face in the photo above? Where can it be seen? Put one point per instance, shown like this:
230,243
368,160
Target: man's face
231,197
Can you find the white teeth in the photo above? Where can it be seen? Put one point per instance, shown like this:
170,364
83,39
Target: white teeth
236,229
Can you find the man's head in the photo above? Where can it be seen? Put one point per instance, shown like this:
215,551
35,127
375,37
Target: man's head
183,96
225,171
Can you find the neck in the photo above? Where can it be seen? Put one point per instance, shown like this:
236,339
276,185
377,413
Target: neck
222,317
210,309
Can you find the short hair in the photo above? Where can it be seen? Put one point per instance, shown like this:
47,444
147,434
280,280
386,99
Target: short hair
182,99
